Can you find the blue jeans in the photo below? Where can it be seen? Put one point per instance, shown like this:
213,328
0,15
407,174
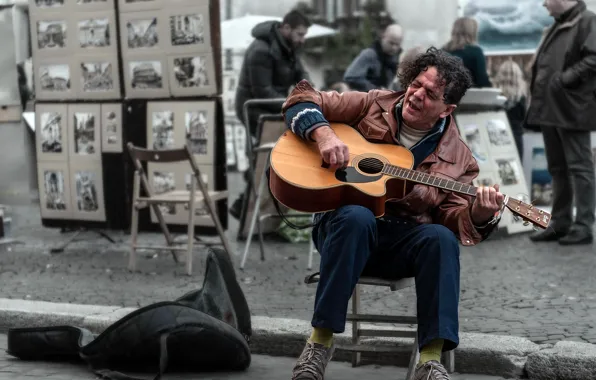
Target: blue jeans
352,242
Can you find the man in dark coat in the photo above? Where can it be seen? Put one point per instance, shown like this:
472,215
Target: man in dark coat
563,105
271,65
376,66
270,68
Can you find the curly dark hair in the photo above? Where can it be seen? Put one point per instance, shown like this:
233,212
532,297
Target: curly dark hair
452,72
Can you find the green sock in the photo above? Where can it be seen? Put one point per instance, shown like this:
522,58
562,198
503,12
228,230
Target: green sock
322,336
431,351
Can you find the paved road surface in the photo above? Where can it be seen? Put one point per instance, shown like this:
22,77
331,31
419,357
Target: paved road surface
509,286
262,368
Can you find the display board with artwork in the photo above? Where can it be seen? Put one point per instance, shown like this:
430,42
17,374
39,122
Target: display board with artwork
489,137
75,53
168,48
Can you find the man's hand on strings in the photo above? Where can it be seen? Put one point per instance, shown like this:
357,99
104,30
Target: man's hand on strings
487,203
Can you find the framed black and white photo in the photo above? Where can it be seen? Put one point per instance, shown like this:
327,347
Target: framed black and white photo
51,136
509,171
192,75
202,217
86,187
98,77
199,128
54,79
162,130
189,30
84,133
142,32
92,5
128,6
45,6
54,190
111,124
162,179
144,77
96,32
51,35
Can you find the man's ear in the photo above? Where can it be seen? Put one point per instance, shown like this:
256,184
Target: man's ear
448,111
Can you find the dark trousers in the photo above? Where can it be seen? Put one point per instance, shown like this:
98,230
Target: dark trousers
353,243
571,165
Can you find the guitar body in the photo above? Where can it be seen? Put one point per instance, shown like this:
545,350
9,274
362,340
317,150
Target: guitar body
300,180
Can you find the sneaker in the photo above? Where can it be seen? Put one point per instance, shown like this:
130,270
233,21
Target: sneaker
312,362
431,370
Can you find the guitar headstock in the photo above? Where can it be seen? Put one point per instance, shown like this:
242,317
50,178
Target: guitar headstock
528,212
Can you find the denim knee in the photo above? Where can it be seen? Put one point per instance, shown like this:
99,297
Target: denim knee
441,236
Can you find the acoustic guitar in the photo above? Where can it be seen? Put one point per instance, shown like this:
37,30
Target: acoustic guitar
376,173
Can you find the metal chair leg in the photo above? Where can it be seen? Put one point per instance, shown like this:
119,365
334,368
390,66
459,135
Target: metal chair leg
450,361
356,356
255,216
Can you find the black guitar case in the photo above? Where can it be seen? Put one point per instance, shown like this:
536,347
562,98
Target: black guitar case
204,330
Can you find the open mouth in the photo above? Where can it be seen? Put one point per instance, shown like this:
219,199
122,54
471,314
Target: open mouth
413,106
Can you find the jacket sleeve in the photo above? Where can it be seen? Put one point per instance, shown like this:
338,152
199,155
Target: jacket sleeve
307,109
355,75
481,72
585,68
454,213
260,72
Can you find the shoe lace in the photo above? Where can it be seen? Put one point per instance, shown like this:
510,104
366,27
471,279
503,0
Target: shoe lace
436,372
312,361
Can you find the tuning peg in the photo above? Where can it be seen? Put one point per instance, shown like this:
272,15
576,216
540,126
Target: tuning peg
526,223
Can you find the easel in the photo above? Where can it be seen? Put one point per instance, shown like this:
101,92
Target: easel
78,231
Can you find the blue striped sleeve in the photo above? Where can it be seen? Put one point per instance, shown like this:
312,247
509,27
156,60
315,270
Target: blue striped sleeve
303,118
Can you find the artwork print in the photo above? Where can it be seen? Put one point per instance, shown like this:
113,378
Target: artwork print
97,76
474,141
112,128
55,197
86,186
163,130
507,25
94,32
191,72
187,29
498,133
162,183
142,33
51,34
84,133
508,171
196,123
91,1
54,77
203,209
51,132
146,74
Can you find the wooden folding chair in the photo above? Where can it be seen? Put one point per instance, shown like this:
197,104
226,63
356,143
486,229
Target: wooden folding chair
193,199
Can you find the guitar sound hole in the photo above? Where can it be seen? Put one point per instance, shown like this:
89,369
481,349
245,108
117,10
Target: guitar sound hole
370,165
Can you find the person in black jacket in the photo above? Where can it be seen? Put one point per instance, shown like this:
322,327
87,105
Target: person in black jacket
462,44
271,65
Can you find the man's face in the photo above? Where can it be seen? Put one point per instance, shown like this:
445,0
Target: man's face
423,103
296,36
555,7
391,44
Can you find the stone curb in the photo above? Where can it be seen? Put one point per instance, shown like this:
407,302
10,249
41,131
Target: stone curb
486,354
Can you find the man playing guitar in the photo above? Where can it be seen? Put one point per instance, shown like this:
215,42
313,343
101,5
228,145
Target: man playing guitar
420,233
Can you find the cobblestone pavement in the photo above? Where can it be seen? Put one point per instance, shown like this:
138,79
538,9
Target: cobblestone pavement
261,368
509,285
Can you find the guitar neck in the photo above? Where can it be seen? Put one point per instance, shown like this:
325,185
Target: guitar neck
427,179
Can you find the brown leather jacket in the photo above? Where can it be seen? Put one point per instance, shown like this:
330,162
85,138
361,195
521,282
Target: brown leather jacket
373,115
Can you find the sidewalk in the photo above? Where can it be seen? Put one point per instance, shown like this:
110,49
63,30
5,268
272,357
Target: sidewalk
262,368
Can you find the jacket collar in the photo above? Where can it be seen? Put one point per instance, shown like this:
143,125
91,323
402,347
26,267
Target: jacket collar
390,101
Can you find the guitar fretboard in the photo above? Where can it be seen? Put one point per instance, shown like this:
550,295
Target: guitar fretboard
427,179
